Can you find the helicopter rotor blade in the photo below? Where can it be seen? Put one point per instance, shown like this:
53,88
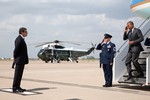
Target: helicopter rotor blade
57,41
42,44
71,42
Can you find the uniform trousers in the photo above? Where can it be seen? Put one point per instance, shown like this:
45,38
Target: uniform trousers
107,68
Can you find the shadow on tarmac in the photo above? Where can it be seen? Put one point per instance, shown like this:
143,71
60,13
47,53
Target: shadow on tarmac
125,88
134,87
73,99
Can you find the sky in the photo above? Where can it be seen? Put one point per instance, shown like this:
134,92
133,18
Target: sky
66,20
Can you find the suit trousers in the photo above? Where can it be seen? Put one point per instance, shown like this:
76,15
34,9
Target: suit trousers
133,57
107,68
18,75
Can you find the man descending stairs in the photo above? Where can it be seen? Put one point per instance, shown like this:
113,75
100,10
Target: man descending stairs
135,37
137,79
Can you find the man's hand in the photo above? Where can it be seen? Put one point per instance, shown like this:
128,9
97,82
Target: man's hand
131,42
111,64
126,29
102,41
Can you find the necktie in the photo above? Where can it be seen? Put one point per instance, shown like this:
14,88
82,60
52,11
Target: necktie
129,34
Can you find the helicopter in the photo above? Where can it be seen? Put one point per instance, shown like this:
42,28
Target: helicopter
56,52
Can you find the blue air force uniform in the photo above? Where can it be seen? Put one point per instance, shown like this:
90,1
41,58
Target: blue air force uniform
106,59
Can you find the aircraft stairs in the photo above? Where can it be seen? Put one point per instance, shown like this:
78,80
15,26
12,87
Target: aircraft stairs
120,70
142,62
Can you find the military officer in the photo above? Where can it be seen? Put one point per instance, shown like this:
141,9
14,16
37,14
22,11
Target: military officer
108,50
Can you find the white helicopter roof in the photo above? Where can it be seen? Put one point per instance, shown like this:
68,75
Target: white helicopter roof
52,46
73,49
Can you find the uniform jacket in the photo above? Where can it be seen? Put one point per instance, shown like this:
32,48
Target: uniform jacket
137,37
20,51
108,52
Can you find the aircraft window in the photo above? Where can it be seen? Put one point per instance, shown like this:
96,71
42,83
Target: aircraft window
58,46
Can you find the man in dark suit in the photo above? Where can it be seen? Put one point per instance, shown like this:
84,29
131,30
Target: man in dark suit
106,58
135,38
20,59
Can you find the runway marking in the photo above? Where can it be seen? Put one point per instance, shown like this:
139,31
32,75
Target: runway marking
140,90
73,99
9,90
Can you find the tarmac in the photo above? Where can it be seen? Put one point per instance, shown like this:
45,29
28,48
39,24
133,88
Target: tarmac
66,81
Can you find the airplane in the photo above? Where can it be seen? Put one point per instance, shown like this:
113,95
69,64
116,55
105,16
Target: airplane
56,52
141,8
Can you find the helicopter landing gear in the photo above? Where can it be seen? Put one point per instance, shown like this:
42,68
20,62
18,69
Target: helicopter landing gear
52,60
46,61
58,61
70,59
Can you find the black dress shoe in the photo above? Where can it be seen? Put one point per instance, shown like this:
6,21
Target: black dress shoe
104,85
22,89
128,78
18,90
107,85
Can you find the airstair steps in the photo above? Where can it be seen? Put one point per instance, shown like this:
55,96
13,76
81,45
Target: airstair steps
142,61
135,79
147,48
144,54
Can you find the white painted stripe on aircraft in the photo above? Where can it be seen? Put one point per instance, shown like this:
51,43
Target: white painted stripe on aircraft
146,5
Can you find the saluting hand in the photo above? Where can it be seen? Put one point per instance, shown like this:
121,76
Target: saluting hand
102,41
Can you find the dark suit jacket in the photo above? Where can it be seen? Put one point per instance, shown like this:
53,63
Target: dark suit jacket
137,37
20,51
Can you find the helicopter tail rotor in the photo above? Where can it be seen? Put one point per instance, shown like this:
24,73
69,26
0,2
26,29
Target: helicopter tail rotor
93,45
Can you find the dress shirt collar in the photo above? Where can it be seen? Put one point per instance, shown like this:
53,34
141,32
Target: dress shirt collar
22,36
131,30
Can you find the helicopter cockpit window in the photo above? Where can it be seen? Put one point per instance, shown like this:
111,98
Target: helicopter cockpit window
59,47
